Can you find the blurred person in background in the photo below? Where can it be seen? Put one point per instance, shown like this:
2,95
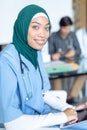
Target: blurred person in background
63,45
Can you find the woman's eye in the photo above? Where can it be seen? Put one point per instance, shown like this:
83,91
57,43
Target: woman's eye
47,28
35,27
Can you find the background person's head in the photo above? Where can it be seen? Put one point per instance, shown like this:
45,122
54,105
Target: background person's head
65,25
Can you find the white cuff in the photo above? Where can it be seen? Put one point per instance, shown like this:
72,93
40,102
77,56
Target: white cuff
31,122
55,102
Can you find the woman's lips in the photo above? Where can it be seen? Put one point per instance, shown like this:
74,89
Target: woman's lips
40,42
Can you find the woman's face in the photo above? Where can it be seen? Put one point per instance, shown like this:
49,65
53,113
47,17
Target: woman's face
38,32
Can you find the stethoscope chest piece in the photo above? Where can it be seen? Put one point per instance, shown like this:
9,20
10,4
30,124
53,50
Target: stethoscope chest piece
27,98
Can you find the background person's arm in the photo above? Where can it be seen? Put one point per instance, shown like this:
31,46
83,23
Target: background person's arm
70,54
55,56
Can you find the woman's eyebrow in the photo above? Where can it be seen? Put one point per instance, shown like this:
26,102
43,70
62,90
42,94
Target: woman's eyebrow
40,23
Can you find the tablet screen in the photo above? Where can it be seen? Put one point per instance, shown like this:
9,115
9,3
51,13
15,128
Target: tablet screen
82,116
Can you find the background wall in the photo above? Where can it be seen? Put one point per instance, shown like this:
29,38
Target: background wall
9,10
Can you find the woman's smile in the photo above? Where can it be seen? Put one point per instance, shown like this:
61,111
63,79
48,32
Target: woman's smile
40,41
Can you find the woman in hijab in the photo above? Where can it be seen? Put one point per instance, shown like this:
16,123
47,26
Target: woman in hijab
26,101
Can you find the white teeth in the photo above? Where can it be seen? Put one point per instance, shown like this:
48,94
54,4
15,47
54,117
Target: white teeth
40,42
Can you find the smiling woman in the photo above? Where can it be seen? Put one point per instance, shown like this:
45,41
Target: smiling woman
26,101
38,32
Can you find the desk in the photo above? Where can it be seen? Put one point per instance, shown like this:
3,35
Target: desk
81,70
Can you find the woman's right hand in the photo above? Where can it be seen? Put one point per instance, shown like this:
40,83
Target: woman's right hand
71,114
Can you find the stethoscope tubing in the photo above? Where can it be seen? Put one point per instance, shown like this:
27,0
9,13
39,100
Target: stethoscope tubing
28,96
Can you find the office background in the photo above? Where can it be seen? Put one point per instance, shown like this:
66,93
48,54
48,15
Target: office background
76,9
10,8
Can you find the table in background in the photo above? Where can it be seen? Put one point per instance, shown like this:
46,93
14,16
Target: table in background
78,70
81,68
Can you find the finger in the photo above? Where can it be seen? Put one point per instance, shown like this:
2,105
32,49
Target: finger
73,121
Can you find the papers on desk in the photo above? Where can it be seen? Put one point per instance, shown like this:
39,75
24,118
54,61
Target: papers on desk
60,67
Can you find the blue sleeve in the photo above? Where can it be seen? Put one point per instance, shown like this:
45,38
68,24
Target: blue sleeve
9,99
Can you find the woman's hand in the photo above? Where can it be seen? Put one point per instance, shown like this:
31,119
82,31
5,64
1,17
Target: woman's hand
71,115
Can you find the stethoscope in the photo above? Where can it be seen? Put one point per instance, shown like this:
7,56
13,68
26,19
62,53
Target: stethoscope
29,94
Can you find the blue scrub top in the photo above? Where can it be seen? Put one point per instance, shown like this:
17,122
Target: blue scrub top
18,96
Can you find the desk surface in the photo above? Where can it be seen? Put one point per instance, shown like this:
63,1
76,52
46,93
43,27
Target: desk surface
39,129
67,68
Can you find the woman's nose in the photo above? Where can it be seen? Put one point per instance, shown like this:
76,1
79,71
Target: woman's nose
42,33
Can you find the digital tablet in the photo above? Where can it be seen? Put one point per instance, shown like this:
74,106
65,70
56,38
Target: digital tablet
82,117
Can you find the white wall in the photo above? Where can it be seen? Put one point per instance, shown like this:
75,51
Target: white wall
82,37
10,8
